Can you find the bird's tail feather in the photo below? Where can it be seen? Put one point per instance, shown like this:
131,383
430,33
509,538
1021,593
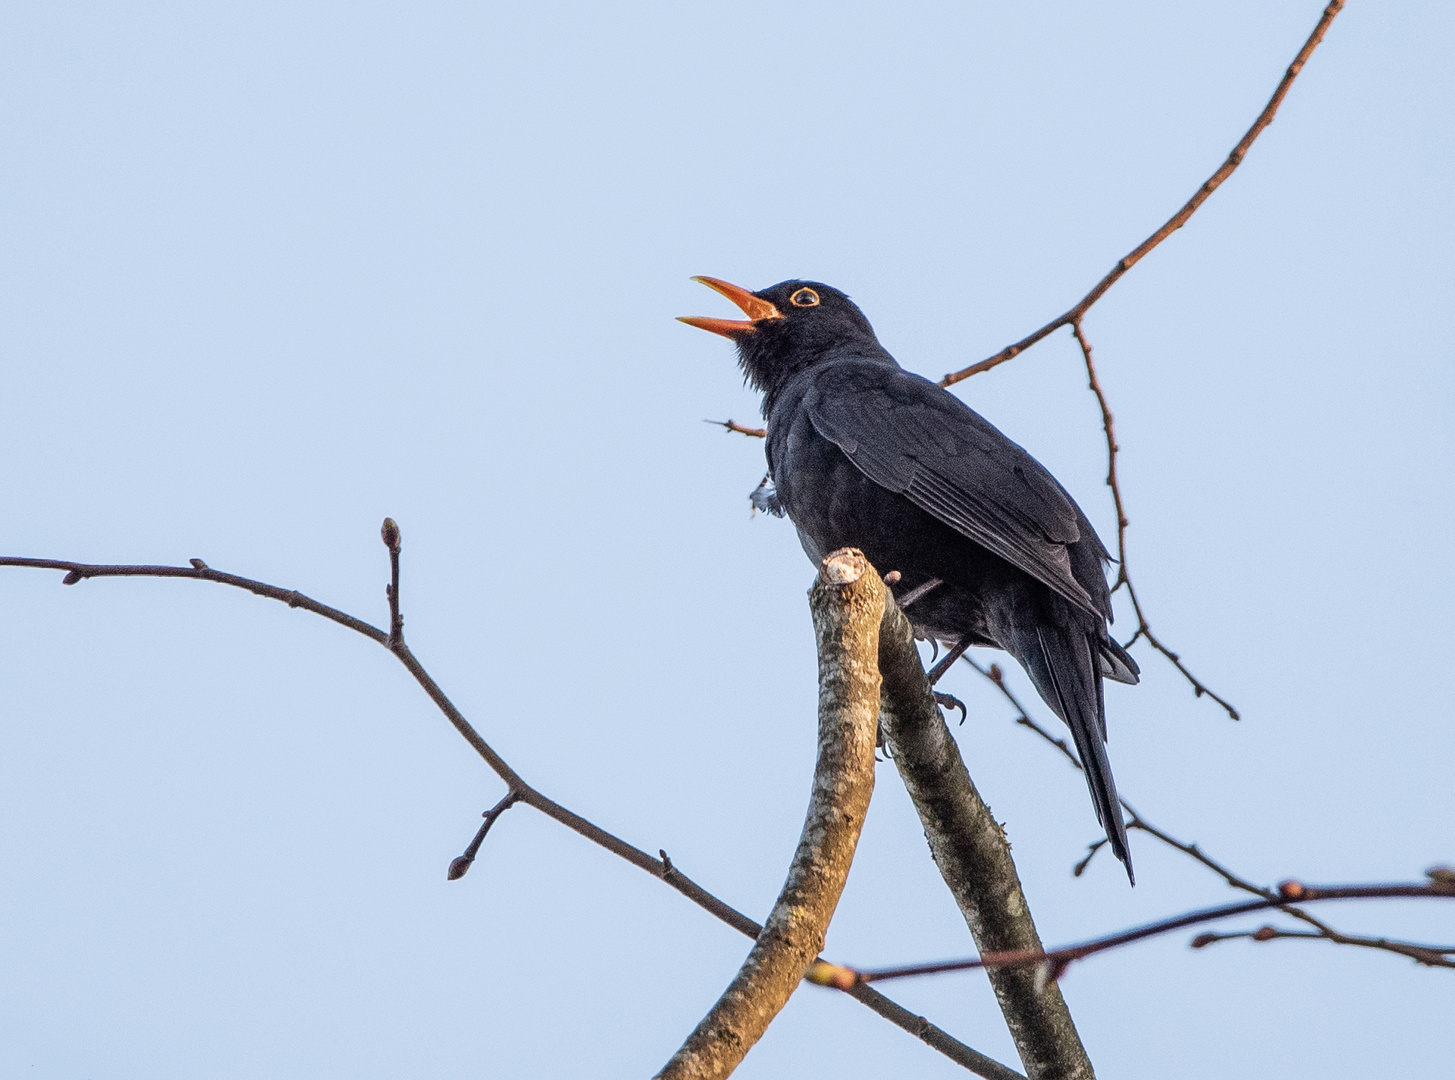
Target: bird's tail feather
1063,663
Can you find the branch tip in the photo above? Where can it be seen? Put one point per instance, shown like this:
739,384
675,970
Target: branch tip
389,533
459,865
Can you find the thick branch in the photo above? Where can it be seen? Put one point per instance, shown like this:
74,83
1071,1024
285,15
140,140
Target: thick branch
1175,222
848,602
974,858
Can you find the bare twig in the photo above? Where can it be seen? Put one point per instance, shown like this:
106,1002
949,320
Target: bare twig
1054,963
389,533
460,866
1430,955
1175,222
848,602
1135,820
896,1014
1144,629
733,425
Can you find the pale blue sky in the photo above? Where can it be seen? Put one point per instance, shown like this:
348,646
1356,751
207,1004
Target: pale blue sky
272,272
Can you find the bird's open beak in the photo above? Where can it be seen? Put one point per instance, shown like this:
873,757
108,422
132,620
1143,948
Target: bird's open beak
754,307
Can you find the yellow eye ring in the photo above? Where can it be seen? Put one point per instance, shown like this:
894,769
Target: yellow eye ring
804,298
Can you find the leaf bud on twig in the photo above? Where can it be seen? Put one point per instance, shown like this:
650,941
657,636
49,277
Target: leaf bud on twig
822,973
1290,890
389,532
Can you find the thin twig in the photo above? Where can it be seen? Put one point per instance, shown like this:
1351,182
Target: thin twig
1108,425
1429,955
733,425
1175,222
460,866
389,533
1144,629
1135,820
896,1014
1055,961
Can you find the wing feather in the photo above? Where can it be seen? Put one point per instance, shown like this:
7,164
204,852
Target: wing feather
914,438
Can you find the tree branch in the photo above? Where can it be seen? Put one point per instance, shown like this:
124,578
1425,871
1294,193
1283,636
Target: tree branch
1144,629
974,858
517,788
1175,222
1425,954
1051,965
848,602
1429,955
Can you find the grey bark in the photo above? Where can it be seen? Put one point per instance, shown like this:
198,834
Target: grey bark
971,850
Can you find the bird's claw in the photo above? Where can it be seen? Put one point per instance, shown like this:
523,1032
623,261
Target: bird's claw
950,701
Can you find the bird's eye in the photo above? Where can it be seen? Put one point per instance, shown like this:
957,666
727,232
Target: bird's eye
804,298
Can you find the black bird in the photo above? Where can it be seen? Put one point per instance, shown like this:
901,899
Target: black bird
990,549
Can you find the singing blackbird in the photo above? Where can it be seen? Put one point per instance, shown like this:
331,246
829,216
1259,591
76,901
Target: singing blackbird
989,548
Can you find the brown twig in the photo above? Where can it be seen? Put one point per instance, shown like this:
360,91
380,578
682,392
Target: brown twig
1144,629
389,533
1054,963
733,425
896,1014
1135,820
460,866
1430,955
1175,222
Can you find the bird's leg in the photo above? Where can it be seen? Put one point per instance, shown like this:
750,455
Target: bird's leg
956,651
918,592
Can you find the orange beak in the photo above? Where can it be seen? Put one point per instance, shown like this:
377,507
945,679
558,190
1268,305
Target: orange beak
754,307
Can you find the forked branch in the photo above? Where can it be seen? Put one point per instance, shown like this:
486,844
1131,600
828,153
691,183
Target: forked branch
1144,629
517,790
1175,222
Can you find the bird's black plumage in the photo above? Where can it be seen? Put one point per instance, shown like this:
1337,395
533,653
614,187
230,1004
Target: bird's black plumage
865,454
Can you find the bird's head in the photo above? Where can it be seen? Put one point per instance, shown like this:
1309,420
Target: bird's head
789,327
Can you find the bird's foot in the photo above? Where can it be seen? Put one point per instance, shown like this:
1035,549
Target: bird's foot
937,672
950,701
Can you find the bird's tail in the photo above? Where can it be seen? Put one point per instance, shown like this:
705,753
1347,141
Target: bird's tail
1063,663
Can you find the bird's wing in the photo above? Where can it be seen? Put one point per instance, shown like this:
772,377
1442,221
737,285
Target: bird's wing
915,438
